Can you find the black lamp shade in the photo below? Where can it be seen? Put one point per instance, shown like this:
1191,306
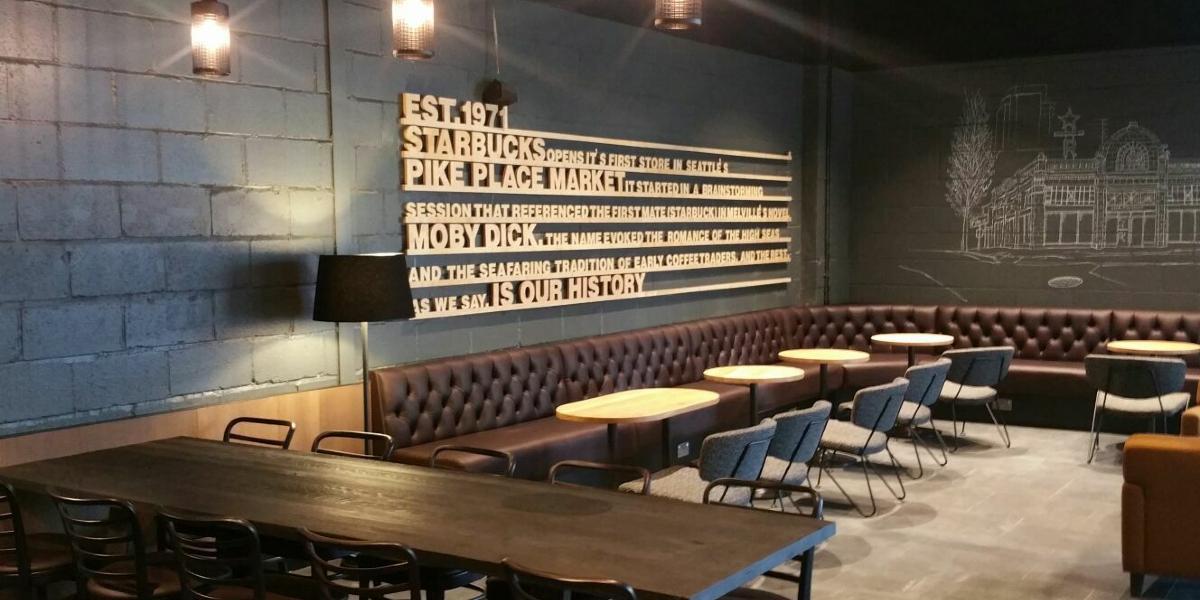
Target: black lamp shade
362,288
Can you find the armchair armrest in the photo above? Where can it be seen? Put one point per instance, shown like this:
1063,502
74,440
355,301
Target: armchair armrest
1191,422
1159,531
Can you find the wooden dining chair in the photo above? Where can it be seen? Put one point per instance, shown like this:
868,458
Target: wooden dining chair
777,489
110,554
221,557
498,462
286,430
29,562
524,583
571,472
382,445
365,570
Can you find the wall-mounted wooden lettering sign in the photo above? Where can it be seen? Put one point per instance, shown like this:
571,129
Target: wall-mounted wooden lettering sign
626,210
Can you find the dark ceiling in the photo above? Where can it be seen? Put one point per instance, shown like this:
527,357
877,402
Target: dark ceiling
873,34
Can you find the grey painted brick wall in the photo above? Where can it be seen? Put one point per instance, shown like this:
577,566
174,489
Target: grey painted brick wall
158,231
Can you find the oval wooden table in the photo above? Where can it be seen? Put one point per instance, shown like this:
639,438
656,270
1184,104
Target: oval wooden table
1153,347
823,357
638,406
752,375
912,341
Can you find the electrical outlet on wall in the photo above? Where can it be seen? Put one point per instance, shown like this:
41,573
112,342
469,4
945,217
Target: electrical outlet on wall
683,450
1004,404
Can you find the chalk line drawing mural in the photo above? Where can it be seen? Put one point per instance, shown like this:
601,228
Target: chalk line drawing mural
972,161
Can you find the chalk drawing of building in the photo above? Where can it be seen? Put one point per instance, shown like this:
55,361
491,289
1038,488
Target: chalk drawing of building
1131,194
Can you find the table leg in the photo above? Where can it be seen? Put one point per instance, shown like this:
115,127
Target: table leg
753,404
612,443
668,449
806,574
824,379
912,356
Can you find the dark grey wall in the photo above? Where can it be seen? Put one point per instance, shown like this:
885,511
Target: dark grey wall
158,230
906,237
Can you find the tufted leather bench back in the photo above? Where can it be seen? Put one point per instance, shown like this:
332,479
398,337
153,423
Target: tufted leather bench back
657,357
851,326
1151,325
1034,333
751,338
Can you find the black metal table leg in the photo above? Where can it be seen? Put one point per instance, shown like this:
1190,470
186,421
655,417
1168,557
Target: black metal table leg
824,379
912,356
612,443
806,574
753,404
667,447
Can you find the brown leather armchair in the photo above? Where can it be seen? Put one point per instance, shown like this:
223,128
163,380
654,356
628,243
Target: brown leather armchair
1159,532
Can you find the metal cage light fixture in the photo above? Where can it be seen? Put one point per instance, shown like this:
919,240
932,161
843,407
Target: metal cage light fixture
412,29
210,38
677,14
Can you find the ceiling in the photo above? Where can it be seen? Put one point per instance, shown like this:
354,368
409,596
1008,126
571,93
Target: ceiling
874,34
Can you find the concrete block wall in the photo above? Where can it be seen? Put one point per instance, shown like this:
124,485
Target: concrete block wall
158,231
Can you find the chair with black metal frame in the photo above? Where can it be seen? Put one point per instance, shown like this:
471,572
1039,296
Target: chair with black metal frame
29,562
803,579
609,472
499,462
873,415
972,380
524,583
1135,386
284,442
337,570
382,445
739,454
219,558
110,554
797,435
925,383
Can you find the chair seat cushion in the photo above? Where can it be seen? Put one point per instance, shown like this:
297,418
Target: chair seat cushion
747,593
912,413
279,586
850,438
1171,404
774,469
162,579
967,394
683,483
47,552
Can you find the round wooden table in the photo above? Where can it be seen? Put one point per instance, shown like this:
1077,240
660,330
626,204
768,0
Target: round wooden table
638,406
752,375
823,357
912,341
1153,347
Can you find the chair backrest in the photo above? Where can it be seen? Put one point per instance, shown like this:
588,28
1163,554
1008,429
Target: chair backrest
798,432
925,381
106,540
876,407
369,580
13,549
1135,376
528,584
739,453
560,474
285,430
216,557
498,462
979,366
381,444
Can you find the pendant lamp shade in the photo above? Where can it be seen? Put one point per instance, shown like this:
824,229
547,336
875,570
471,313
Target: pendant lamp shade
413,29
677,14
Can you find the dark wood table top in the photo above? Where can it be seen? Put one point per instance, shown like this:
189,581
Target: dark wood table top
663,548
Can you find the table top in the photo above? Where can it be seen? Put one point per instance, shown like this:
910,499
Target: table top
825,356
1153,347
637,406
450,518
916,340
751,374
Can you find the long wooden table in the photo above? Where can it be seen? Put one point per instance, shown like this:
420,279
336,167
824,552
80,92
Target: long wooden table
663,548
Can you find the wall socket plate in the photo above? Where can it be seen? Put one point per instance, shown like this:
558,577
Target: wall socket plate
683,450
1004,404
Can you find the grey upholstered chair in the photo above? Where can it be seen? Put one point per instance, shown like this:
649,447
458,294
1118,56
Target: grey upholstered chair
974,375
872,416
737,454
925,383
797,434
1139,387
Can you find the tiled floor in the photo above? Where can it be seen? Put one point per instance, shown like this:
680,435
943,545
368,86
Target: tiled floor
1033,521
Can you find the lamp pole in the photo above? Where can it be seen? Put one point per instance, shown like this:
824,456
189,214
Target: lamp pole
366,386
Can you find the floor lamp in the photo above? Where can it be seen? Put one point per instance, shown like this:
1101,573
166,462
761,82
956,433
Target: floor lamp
363,288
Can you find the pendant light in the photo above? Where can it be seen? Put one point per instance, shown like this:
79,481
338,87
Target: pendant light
677,14
412,29
210,38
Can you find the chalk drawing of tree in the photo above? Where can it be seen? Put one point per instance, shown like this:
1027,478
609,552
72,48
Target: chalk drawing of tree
972,161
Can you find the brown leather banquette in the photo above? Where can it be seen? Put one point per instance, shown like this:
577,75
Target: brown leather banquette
506,399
